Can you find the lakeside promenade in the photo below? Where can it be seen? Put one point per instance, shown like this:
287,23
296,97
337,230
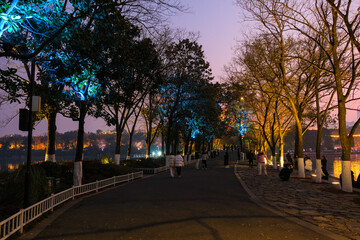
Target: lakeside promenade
319,204
204,204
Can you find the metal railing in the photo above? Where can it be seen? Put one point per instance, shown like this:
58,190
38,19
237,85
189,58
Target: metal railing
17,221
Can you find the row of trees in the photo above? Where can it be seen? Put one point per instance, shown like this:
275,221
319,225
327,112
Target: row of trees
300,65
109,59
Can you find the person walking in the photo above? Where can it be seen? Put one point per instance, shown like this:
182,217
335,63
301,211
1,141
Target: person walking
289,159
179,163
197,160
204,158
251,156
172,165
261,160
226,159
323,168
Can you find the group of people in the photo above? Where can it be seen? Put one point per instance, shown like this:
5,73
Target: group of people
204,157
176,163
262,159
308,165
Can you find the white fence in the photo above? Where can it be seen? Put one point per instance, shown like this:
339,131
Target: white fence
24,216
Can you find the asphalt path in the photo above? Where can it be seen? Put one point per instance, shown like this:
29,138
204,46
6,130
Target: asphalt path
203,204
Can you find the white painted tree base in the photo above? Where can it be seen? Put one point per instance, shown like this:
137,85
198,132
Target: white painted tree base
50,158
318,171
117,159
77,173
301,168
346,177
128,157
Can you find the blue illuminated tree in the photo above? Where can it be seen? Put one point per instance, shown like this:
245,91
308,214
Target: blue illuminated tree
200,120
236,111
130,74
187,70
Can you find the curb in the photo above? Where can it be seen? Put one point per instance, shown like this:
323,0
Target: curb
292,218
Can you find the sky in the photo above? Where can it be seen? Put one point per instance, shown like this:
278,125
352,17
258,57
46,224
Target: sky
218,23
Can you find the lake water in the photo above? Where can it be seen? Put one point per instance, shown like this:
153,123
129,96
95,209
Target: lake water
14,162
334,165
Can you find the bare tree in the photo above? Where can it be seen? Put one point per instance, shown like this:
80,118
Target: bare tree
330,20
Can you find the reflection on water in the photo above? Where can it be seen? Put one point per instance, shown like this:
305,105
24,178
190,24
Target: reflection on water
334,165
9,163
354,163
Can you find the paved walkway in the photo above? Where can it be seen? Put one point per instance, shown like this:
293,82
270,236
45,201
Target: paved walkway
203,205
318,204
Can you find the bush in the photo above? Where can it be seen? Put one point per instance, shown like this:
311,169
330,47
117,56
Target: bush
95,170
12,189
145,163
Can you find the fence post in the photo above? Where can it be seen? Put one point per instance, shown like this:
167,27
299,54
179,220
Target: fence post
114,180
52,202
97,186
21,223
73,192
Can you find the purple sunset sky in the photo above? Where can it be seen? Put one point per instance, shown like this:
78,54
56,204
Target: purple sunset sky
218,23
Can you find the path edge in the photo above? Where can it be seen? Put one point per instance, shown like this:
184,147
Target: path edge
292,218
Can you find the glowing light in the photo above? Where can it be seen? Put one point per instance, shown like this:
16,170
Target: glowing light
138,145
101,143
12,166
354,165
83,86
106,160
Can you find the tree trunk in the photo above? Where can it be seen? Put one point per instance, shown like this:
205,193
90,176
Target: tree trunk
299,150
131,133
318,155
118,144
345,147
281,148
162,144
79,147
50,146
168,139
